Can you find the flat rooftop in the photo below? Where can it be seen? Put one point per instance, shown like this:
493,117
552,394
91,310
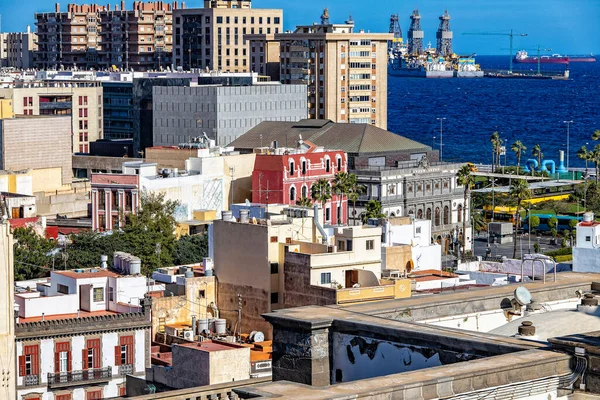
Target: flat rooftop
210,346
88,273
82,314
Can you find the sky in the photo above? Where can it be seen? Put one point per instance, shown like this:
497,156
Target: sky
565,26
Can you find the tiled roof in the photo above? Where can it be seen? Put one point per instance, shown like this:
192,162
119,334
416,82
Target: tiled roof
351,138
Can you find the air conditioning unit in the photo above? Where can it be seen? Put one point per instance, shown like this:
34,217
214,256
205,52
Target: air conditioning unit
188,335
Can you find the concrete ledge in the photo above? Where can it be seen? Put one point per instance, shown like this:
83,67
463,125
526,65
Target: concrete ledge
431,383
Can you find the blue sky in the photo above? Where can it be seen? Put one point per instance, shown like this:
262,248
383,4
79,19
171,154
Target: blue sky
567,26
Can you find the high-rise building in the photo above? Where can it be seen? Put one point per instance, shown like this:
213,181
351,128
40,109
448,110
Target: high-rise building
213,37
17,49
96,36
346,71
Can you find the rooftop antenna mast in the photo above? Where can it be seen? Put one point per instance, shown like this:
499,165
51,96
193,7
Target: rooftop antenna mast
444,36
415,34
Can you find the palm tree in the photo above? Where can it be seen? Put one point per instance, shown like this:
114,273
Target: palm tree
537,152
321,191
519,191
465,179
596,160
304,202
496,145
585,155
518,148
373,210
596,135
340,185
355,190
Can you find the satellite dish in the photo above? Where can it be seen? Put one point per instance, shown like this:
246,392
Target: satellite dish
522,296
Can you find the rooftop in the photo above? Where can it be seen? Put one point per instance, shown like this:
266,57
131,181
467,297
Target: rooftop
211,346
88,273
350,138
81,314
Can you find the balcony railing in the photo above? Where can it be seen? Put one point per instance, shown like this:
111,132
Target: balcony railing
83,377
31,380
126,369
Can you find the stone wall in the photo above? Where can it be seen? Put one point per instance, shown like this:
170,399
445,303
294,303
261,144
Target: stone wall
298,290
255,302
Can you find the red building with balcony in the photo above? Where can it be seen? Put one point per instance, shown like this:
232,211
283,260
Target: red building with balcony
286,178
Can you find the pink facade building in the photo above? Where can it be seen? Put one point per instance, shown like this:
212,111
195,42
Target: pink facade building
287,178
113,197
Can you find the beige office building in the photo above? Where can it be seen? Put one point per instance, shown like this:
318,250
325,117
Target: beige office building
17,48
346,71
213,37
98,36
80,100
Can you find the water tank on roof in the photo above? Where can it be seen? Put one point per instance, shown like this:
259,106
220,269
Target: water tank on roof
189,273
135,266
208,266
227,216
244,216
588,217
256,336
221,326
203,326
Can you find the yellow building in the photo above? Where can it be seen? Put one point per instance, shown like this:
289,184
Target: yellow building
346,71
6,109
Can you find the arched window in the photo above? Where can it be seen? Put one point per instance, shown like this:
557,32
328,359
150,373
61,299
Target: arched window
460,213
446,215
304,192
292,193
303,167
339,163
428,214
327,164
419,214
292,165
437,216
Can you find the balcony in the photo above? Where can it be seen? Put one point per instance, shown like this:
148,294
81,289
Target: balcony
79,378
31,380
126,369
54,105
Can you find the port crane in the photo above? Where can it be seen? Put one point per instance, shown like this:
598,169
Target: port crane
539,50
510,35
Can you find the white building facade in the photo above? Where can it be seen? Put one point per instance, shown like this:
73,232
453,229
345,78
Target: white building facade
586,252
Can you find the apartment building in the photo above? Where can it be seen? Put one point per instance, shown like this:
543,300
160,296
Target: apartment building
287,177
80,333
17,49
345,71
98,36
213,37
7,321
82,101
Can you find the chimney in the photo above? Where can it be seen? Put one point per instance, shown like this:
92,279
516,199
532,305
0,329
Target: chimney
57,7
123,5
183,5
175,5
116,7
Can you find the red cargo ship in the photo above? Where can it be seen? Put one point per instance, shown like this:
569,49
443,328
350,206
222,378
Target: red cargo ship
523,57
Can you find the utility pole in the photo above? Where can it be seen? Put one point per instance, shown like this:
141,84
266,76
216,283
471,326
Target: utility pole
441,136
240,312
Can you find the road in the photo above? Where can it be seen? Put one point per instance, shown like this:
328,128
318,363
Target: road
506,249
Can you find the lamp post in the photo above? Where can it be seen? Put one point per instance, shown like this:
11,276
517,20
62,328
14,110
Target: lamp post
568,134
441,136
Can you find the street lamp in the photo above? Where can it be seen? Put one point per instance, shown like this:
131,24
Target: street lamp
568,134
441,135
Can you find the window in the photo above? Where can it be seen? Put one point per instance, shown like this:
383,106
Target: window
391,189
274,268
292,194
62,357
418,229
588,238
202,294
94,395
327,214
325,278
339,164
124,351
304,192
274,239
460,213
327,165
349,245
64,397
437,216
446,215
292,168
111,294
91,354
303,167
276,20
274,298
62,289
341,245
98,295
29,361
370,244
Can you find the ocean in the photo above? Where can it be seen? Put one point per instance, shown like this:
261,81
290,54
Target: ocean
531,111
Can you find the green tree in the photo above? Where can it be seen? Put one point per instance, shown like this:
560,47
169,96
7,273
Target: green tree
373,210
586,155
596,160
496,149
553,224
31,254
534,222
518,148
573,223
340,185
465,179
190,249
478,221
537,153
519,191
536,247
87,247
304,202
321,191
355,190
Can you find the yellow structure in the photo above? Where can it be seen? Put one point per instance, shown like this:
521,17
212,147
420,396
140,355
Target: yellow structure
6,109
388,290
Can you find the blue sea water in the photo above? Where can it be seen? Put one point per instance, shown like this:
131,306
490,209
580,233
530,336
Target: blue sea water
532,111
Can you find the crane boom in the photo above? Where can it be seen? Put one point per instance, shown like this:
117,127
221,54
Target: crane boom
510,34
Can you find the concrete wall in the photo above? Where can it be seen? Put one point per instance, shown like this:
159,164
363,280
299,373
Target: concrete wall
298,288
37,143
17,182
586,260
223,112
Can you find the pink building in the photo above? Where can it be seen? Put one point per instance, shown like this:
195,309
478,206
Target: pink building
288,177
